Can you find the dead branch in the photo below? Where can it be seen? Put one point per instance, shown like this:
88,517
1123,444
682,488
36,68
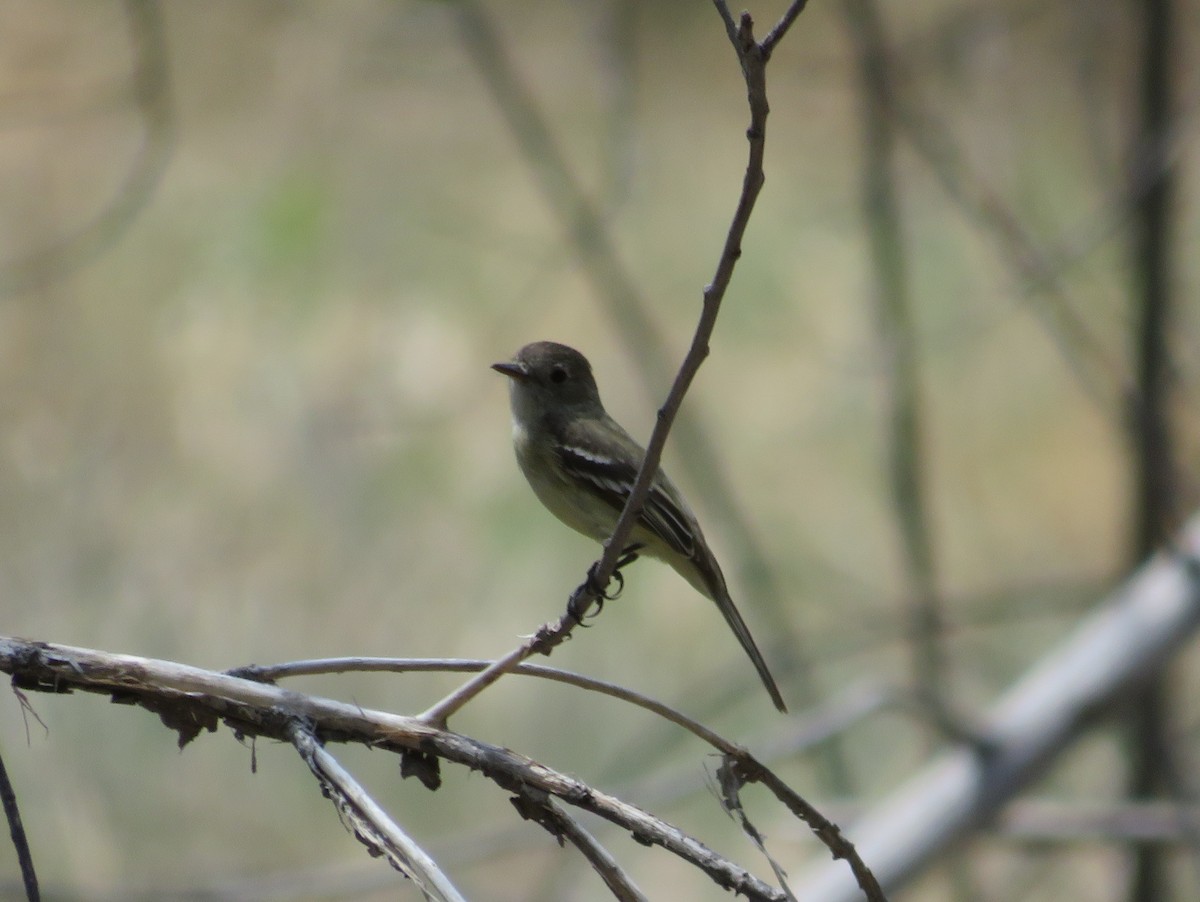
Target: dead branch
1130,636
190,700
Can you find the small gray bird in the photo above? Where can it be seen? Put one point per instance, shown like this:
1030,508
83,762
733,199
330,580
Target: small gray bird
582,466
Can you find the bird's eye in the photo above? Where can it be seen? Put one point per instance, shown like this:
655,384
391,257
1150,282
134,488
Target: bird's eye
558,375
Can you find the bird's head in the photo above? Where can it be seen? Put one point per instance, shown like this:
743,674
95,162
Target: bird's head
548,377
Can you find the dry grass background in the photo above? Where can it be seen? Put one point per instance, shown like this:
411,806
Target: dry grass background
260,425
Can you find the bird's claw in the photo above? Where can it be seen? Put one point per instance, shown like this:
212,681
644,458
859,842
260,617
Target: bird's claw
576,603
628,556
591,587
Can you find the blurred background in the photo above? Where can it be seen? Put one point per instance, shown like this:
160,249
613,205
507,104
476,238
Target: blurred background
258,256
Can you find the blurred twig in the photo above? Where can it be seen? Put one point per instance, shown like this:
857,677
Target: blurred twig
1096,370
1149,421
150,88
906,447
1150,428
898,343
620,43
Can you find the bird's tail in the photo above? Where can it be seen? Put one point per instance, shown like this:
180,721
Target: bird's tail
714,587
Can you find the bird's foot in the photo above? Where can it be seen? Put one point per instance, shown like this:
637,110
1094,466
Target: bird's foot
628,556
592,589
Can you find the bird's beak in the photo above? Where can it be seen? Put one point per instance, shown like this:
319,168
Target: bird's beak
512,370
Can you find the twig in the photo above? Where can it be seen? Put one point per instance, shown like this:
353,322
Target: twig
896,334
826,830
369,823
16,830
540,808
1150,427
753,59
730,783
271,672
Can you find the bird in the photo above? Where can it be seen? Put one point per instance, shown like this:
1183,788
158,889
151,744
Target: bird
582,464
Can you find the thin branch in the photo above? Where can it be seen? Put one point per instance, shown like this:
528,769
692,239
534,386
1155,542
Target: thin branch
753,60
750,769
16,830
369,823
270,673
1152,239
775,35
1150,437
805,731
731,28
897,340
541,809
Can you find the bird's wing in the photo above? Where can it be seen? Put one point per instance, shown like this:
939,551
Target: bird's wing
610,478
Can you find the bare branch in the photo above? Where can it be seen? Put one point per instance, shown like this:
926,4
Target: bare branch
272,672
753,60
1131,636
730,783
1150,427
369,823
775,35
12,814
539,807
190,699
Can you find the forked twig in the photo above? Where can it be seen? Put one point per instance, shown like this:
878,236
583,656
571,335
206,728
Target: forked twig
753,57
